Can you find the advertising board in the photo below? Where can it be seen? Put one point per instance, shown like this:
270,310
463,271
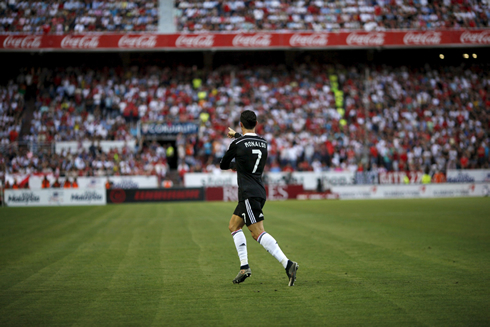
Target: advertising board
411,191
55,197
241,41
274,192
468,176
155,195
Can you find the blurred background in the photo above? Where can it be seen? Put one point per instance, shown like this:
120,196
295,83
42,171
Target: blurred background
378,92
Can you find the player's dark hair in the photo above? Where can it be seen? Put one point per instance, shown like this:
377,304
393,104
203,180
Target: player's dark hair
248,119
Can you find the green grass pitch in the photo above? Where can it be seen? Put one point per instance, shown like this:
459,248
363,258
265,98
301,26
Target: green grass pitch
362,263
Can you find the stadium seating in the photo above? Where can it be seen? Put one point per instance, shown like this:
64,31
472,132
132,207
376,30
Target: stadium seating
58,17
11,112
411,118
299,15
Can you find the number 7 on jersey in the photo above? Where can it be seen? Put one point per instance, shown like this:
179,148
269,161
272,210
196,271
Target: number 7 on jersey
259,153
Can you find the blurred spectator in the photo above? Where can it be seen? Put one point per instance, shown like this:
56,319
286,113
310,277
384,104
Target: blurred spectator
439,177
67,183
426,179
45,183
56,183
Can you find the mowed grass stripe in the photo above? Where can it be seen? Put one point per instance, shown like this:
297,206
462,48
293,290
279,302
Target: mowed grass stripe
31,259
133,290
356,243
188,283
331,283
361,263
71,278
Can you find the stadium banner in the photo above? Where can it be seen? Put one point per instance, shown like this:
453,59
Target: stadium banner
411,191
274,192
155,195
259,40
126,182
106,146
168,129
367,177
468,176
55,197
397,177
309,180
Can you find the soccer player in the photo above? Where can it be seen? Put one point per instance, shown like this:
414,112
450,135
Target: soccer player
250,153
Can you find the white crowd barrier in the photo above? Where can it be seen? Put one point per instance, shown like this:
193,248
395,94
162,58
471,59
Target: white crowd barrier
468,176
411,191
308,179
55,197
73,146
126,182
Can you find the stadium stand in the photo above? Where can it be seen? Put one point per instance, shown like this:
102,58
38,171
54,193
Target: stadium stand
408,118
11,111
329,16
59,17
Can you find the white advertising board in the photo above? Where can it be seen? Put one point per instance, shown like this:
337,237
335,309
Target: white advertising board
125,182
468,175
307,179
411,191
55,197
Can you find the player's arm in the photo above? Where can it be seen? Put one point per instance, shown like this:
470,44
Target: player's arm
228,157
233,134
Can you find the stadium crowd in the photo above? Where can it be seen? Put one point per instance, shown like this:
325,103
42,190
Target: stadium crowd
11,112
319,15
67,16
58,16
411,118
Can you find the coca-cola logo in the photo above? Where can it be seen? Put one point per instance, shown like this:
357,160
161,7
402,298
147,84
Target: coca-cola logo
22,42
253,41
199,41
366,39
140,41
475,37
310,40
428,38
80,42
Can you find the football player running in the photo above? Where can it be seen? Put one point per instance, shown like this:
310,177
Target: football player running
250,153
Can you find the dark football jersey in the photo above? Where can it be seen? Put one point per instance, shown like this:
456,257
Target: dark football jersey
250,153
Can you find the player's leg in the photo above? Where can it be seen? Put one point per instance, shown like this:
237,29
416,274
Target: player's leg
235,227
266,240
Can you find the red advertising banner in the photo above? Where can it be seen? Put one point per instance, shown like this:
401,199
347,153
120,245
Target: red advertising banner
262,40
155,195
274,192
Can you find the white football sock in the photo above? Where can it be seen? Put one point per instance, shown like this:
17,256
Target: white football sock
241,246
270,244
